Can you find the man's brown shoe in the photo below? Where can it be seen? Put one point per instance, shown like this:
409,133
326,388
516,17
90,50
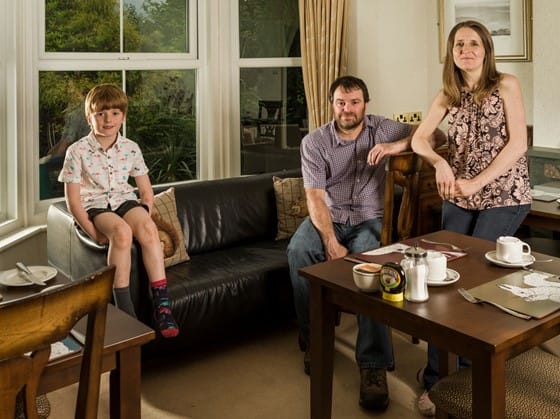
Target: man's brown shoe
374,394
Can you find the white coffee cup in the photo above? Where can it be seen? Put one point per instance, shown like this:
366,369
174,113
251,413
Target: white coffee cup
511,249
437,265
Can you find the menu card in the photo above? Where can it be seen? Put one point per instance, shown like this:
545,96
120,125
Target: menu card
533,292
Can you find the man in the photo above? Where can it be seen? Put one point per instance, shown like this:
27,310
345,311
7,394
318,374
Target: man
344,181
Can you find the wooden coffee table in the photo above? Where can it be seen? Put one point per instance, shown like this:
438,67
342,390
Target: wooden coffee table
124,337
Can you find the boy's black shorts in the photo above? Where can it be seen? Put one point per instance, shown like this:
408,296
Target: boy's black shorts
120,211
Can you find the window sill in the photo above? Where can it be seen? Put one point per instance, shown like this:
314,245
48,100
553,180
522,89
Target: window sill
20,235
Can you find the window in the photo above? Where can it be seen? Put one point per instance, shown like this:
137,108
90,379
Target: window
152,56
273,112
203,104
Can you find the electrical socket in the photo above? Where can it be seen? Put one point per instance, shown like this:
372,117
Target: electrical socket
408,117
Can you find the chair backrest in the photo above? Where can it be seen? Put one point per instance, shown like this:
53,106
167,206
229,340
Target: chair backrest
28,327
402,169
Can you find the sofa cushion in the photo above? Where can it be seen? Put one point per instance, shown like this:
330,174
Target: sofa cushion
164,214
291,205
217,214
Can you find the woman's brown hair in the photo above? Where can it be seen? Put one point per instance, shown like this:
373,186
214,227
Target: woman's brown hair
452,77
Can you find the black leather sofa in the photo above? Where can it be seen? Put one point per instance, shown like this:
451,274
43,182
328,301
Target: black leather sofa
237,275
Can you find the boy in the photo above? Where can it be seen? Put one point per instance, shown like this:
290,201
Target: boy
95,174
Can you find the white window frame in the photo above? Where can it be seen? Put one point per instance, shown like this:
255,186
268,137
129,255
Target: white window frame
11,213
44,61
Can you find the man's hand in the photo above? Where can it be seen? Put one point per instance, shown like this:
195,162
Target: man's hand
334,250
379,151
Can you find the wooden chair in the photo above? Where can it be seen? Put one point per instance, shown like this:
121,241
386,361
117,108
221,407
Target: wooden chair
402,180
532,388
28,327
402,170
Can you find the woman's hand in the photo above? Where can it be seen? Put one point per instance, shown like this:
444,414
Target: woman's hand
445,180
466,187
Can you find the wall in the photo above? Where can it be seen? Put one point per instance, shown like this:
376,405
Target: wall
393,46
31,251
546,65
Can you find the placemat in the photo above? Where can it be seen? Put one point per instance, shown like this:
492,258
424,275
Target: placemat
535,293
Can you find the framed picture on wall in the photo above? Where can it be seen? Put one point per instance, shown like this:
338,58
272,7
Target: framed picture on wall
509,23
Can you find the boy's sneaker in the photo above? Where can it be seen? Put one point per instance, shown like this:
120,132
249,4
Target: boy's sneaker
425,405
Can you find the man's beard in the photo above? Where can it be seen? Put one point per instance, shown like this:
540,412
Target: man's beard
349,125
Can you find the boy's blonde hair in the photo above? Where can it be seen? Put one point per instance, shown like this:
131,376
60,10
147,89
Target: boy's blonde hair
105,96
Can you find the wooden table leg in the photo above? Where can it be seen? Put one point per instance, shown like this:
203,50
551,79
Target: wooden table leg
125,385
322,319
489,387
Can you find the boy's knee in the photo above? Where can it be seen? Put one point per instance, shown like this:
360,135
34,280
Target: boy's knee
122,236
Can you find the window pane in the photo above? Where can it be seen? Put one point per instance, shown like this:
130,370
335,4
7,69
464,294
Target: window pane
268,28
155,26
162,120
62,120
94,26
273,118
82,26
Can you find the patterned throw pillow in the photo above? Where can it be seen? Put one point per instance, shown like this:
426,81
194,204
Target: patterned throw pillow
291,205
164,214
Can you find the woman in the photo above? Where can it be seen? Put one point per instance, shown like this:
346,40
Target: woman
484,183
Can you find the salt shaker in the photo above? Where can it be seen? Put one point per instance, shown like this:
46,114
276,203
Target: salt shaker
416,272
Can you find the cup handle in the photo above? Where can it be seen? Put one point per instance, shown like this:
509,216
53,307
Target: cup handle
528,249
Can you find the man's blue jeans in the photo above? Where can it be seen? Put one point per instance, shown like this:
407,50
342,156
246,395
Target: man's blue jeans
486,224
373,346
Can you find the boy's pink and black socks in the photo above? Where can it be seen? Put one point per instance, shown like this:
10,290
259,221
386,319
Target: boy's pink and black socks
162,312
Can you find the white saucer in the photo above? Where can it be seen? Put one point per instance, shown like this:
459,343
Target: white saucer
527,260
452,277
14,278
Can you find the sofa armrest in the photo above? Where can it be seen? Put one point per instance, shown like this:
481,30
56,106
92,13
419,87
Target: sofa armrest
72,252
88,241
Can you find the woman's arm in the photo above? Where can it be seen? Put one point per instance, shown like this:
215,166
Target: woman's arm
427,137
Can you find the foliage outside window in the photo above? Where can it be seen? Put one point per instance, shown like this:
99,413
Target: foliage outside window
162,95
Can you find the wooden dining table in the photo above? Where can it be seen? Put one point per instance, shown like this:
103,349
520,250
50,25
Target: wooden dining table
479,332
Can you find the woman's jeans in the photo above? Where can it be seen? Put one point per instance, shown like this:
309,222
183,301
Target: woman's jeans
486,224
373,346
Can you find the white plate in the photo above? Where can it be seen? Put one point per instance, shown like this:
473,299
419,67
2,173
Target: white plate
14,278
452,277
527,260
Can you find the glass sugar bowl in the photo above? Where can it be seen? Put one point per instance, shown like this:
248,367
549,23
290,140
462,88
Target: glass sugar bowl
415,268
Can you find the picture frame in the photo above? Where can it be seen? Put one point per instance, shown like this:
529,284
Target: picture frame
509,22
